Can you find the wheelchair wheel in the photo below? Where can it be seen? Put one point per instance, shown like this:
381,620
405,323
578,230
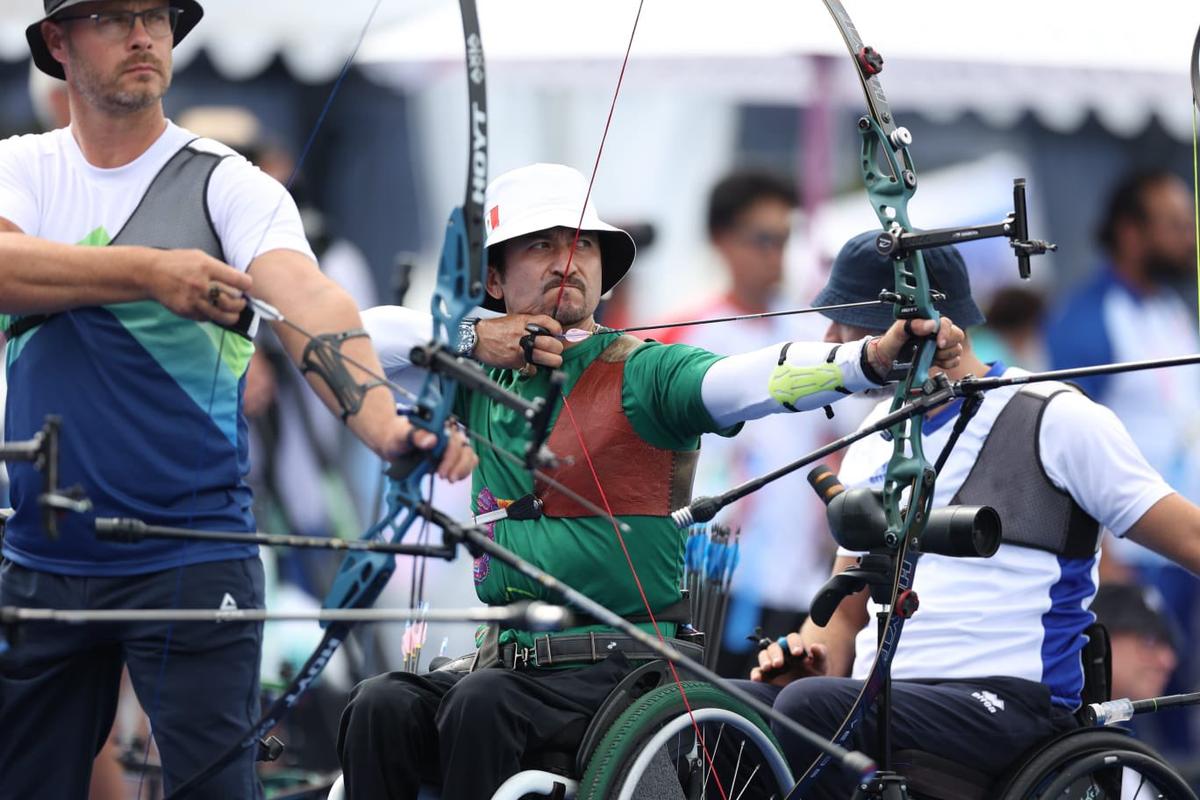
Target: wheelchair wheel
1097,764
652,752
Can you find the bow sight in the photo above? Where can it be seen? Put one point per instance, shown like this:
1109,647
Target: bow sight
899,244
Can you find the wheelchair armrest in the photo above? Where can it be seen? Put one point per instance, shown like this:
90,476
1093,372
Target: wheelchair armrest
646,678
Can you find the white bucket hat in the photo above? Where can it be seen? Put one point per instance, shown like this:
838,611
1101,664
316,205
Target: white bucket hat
543,196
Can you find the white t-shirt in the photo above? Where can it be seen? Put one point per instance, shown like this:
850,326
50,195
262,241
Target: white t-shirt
48,189
1019,613
138,388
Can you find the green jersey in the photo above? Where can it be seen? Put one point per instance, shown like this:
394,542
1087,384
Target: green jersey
661,399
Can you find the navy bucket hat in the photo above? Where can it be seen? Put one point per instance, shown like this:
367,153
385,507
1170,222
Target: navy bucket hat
859,273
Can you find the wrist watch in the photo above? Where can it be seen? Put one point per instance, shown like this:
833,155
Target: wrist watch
467,338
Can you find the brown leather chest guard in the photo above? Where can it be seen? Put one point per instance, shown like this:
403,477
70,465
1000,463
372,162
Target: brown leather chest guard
638,478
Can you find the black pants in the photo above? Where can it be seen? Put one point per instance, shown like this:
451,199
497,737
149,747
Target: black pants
985,724
59,684
464,731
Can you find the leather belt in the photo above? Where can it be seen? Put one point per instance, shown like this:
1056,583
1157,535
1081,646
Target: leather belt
584,648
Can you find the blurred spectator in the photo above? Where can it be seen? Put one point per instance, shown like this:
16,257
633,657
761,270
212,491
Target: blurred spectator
1130,311
1145,648
1013,332
1144,640
785,548
3,393
49,98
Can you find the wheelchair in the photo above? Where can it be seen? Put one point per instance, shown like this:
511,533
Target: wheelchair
1091,763
642,745
1096,763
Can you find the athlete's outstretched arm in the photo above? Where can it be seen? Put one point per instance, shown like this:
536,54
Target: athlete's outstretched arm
801,376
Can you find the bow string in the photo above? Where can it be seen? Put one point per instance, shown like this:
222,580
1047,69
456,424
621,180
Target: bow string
578,431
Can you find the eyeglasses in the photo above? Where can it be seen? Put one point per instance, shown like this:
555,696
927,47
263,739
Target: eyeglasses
763,240
116,25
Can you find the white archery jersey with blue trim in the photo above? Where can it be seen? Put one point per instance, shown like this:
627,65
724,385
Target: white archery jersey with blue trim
1021,612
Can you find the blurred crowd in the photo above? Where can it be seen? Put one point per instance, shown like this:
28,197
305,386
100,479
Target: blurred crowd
1139,302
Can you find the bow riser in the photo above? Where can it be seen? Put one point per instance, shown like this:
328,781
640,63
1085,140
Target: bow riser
889,195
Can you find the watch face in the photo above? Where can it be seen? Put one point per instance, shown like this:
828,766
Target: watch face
466,338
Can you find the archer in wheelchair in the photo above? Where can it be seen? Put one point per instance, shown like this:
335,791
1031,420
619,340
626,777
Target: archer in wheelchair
634,415
1002,656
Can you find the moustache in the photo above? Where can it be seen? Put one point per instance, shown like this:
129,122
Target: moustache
555,285
146,59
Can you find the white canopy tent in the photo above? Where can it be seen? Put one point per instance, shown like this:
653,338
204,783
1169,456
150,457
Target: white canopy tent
1058,59
242,37
553,65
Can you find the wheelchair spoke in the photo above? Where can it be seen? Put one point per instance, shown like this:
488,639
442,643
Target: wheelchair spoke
749,781
705,768
666,757
737,764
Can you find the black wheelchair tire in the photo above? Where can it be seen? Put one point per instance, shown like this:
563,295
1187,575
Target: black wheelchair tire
623,742
1037,774
1161,775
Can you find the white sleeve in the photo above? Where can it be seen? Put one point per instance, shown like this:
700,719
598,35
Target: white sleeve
252,213
395,331
1087,452
18,201
753,385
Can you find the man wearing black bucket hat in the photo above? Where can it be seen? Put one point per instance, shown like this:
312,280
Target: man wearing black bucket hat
990,664
1145,640
641,408
176,18
126,243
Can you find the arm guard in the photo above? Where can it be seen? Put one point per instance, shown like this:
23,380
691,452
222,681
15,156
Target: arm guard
322,357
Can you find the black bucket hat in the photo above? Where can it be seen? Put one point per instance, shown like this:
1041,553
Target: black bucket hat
859,273
192,13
